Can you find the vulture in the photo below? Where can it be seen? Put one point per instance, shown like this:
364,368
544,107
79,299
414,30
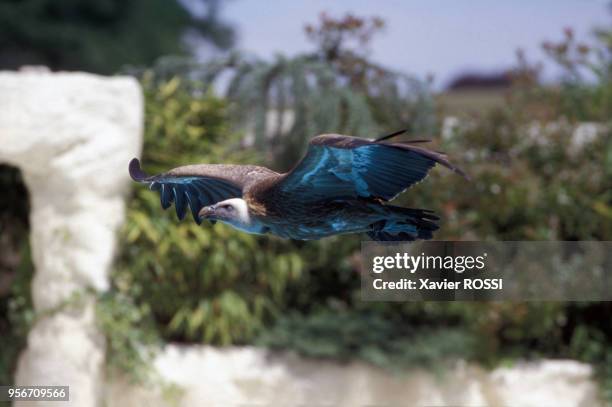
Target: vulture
341,185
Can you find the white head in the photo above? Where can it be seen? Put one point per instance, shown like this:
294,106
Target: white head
234,211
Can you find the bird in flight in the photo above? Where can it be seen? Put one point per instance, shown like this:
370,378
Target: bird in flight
341,185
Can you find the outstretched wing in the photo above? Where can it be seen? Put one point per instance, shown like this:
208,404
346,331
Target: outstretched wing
337,166
195,186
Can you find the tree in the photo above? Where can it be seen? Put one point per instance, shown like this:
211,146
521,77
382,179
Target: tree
335,88
101,35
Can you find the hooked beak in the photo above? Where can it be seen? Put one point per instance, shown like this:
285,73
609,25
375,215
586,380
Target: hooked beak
206,212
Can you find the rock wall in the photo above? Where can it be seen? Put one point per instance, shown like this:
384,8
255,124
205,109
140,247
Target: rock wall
253,377
71,135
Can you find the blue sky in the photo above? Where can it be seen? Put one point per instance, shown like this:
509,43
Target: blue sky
442,37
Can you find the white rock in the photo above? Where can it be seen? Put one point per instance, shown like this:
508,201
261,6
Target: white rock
547,383
72,136
250,376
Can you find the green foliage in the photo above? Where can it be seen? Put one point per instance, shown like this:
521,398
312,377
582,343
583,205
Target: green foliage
532,181
131,337
16,315
348,335
287,100
538,175
101,35
579,61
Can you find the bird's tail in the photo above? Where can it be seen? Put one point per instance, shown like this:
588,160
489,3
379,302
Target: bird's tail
404,224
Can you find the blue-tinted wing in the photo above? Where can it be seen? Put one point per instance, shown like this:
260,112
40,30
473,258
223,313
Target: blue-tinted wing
187,190
347,167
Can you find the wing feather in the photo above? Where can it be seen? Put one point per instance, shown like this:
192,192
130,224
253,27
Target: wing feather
196,186
338,166
179,201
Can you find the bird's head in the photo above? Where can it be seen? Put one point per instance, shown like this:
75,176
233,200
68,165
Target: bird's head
234,211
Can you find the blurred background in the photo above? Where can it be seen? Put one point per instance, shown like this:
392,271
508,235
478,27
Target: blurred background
519,94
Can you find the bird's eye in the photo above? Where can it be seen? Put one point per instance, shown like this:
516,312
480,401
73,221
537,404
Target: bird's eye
228,208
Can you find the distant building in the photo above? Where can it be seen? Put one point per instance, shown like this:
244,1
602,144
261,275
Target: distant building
501,80
474,93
